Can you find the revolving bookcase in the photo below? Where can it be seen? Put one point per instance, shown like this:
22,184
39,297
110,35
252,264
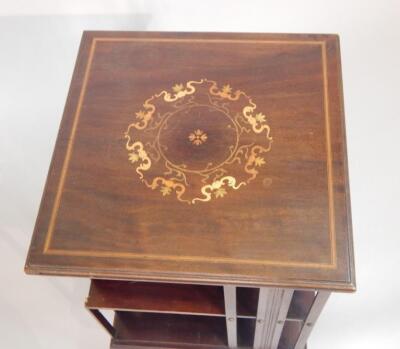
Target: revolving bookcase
200,181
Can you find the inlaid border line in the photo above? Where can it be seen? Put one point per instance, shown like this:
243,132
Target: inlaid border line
69,151
329,171
49,235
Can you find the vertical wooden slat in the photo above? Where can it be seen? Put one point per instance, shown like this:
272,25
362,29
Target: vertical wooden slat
230,314
287,295
316,308
265,314
273,305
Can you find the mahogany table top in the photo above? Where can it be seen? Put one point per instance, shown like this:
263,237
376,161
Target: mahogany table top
201,157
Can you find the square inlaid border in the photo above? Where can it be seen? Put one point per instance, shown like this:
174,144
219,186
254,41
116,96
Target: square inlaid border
48,250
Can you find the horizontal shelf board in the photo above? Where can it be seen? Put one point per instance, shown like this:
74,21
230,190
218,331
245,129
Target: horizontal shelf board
156,345
169,329
156,297
300,305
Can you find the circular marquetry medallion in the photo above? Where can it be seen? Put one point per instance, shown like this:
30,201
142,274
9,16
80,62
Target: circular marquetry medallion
198,142
197,138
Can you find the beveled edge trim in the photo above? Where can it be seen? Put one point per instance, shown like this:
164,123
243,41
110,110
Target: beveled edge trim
192,278
47,250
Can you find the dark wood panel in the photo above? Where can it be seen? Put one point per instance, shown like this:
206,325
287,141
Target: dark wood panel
245,331
247,301
156,297
166,330
300,305
290,333
278,215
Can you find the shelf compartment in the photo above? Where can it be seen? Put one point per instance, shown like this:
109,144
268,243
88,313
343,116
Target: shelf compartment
245,332
300,305
247,302
290,334
168,331
156,297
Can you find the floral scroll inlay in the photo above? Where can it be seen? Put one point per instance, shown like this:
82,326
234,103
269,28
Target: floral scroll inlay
169,142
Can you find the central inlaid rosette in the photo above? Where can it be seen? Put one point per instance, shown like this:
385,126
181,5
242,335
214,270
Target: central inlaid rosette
198,142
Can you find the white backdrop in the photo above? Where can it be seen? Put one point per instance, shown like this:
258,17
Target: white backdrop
38,46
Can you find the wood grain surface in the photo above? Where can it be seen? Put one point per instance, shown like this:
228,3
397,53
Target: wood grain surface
201,157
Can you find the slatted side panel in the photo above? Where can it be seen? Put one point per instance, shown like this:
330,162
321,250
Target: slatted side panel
272,308
286,298
320,300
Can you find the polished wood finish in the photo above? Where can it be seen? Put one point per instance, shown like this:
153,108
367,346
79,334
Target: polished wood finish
164,299
166,330
288,227
201,180
284,317
135,330
169,298
156,297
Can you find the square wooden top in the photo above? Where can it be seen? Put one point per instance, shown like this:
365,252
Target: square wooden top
200,157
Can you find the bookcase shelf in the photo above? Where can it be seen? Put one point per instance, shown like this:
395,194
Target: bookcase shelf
172,330
168,330
156,297
166,315
169,298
